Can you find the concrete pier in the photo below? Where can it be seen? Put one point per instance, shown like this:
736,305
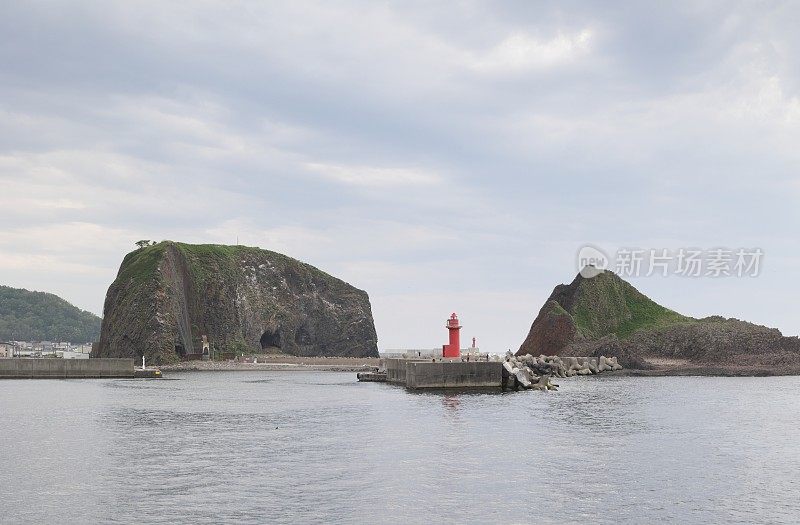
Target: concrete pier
22,368
396,369
454,374
416,373
147,373
526,371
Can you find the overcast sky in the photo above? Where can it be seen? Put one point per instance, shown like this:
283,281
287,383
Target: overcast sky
443,157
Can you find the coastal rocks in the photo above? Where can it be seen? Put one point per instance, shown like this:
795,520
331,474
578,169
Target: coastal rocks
715,342
521,374
166,297
544,383
531,372
604,315
607,364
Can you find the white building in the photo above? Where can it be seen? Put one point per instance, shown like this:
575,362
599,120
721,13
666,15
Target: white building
9,349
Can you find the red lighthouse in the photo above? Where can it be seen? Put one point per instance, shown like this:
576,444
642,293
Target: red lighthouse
454,348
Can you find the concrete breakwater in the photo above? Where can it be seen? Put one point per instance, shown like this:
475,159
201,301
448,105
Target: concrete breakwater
527,372
417,373
22,368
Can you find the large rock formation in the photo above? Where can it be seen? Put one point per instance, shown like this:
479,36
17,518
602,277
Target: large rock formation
588,309
166,297
605,315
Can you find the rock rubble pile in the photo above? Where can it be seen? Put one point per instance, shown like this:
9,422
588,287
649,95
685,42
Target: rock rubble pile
535,373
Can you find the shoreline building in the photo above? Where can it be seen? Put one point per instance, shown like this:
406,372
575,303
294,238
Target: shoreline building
7,349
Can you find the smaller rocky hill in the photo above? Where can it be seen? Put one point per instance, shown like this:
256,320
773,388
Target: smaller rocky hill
605,315
40,316
590,308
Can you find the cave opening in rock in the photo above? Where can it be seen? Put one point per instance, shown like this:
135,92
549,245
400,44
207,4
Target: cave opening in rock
271,341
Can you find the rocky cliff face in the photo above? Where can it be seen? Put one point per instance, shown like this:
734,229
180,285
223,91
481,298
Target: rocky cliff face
167,296
605,315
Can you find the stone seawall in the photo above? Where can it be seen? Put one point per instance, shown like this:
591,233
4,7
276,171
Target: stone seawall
21,368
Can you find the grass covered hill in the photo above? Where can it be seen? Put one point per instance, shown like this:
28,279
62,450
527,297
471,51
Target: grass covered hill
591,308
40,316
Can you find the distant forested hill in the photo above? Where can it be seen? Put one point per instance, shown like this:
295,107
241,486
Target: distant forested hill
39,316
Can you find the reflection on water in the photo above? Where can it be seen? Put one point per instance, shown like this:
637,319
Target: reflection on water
451,402
296,447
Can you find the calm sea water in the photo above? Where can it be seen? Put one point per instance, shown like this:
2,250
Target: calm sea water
297,447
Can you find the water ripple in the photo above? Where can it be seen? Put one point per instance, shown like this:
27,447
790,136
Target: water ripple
297,447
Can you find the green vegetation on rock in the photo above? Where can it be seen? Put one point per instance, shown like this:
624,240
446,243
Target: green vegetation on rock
40,316
168,295
604,315
646,314
606,305
593,308
140,265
